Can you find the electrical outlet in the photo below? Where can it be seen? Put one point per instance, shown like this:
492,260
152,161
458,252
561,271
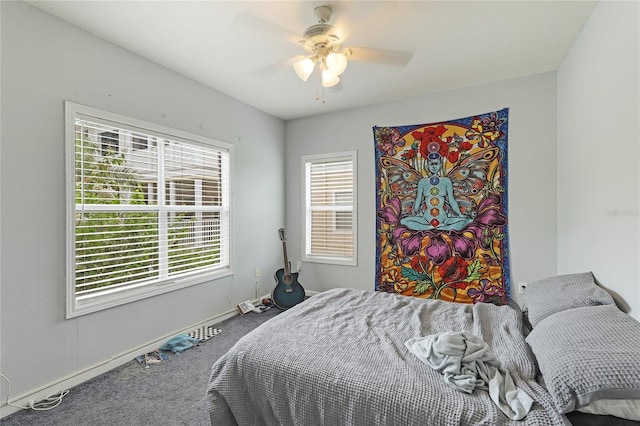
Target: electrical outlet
299,265
521,287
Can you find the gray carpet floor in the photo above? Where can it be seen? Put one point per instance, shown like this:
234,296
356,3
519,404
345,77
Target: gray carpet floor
171,393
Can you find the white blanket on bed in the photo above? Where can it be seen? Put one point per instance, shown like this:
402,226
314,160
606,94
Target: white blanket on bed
467,363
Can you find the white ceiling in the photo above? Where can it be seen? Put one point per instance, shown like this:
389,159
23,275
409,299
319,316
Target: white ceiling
230,45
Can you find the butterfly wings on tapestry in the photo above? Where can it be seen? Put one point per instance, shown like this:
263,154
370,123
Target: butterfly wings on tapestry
442,209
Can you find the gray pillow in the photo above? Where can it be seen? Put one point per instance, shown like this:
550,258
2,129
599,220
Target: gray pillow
555,294
588,354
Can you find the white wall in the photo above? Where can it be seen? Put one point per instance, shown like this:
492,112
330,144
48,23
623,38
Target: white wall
598,128
561,219
531,180
44,62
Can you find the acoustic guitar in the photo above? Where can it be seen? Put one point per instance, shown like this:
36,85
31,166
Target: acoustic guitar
288,291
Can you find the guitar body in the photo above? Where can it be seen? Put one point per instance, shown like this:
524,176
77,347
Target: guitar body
286,295
288,291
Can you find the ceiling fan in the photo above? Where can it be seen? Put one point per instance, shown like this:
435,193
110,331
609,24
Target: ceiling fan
324,52
323,48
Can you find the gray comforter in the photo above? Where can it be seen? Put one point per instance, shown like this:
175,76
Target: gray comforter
339,359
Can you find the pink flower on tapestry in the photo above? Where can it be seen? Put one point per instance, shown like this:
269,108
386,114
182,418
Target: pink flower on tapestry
388,140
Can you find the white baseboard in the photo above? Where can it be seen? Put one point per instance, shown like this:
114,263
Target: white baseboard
9,407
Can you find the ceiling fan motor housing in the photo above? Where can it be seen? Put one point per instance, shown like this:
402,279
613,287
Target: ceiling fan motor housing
317,37
317,30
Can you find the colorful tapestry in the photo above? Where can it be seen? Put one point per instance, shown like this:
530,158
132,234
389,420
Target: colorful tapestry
442,209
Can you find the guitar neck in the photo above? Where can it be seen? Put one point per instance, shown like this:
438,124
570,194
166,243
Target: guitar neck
286,260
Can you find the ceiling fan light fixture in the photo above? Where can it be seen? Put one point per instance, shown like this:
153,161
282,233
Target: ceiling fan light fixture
336,62
329,79
304,68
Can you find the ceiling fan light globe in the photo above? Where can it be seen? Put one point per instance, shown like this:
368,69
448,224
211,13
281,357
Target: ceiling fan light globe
304,68
336,62
329,79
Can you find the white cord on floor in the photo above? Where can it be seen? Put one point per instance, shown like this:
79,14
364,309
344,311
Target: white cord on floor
52,401
48,403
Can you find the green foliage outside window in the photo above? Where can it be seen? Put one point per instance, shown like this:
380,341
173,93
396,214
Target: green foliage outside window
115,248
104,238
182,253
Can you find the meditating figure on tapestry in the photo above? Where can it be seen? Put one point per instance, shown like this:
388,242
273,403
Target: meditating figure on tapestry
435,190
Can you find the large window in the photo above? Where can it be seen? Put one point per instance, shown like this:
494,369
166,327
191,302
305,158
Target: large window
148,209
330,208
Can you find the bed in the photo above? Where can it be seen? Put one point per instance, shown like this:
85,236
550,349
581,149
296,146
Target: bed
340,358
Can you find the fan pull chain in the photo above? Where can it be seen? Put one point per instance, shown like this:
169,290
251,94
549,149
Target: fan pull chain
319,84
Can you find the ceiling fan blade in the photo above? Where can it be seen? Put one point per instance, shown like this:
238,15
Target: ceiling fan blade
355,17
274,68
391,57
251,21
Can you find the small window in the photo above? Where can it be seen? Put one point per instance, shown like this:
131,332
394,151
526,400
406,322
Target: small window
330,234
139,141
109,143
127,238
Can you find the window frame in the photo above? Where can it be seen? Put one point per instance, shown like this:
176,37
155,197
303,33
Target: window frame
136,292
329,157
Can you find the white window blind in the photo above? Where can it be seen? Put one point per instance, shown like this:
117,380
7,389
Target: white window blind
330,208
150,209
